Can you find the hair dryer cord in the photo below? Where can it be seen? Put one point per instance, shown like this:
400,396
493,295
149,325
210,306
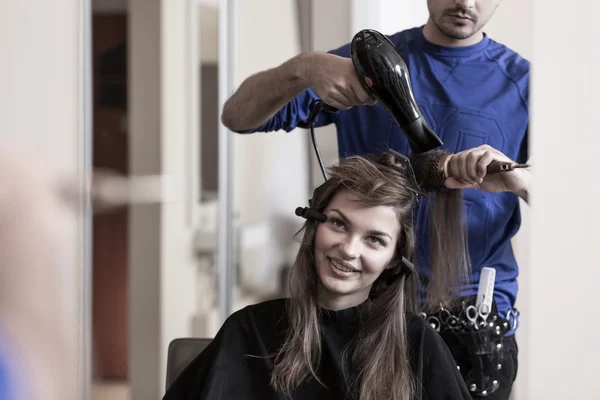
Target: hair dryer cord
316,109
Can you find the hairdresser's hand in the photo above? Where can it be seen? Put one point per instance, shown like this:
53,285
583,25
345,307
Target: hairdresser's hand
467,169
334,80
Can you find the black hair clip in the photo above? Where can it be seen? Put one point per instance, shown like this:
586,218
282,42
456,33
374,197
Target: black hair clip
400,156
406,268
408,165
406,161
310,214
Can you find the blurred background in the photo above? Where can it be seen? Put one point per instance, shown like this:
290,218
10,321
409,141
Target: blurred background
137,85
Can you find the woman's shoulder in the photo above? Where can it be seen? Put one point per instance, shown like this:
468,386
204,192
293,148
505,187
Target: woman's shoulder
433,362
428,347
420,333
417,324
262,309
266,314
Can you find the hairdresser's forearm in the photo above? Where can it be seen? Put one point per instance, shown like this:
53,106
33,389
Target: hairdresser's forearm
524,191
261,95
524,194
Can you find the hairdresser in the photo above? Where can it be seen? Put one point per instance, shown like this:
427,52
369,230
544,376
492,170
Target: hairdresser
473,93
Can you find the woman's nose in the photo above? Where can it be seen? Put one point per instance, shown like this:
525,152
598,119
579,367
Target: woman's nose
350,248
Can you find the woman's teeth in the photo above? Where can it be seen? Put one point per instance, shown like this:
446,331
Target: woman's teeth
342,267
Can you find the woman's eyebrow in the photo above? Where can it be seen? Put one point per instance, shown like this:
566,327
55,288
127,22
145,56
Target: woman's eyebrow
370,232
379,233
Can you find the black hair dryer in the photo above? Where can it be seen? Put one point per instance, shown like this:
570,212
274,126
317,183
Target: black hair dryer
384,75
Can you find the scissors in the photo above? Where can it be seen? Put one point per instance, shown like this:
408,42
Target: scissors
447,318
444,315
472,315
434,322
515,314
478,315
484,312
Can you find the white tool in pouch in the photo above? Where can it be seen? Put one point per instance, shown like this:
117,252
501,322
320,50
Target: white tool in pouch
485,293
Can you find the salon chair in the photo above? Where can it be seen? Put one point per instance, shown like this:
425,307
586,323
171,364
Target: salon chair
181,353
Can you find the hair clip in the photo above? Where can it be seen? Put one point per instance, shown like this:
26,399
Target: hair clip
406,161
310,214
407,270
408,266
408,165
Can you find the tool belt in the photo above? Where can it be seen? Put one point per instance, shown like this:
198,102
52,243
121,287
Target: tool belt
475,338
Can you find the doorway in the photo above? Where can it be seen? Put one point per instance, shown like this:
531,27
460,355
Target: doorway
110,230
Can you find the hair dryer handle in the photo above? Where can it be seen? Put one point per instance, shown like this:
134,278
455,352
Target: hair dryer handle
328,108
316,107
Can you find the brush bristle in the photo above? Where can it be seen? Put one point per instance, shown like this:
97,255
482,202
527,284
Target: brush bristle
428,169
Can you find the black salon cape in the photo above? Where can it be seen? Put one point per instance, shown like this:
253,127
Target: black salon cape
224,371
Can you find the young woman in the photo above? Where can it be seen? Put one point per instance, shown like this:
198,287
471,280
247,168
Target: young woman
348,330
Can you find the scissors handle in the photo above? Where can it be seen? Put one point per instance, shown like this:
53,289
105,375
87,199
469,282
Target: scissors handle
434,322
472,314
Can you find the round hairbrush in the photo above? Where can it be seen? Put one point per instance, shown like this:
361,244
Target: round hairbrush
430,170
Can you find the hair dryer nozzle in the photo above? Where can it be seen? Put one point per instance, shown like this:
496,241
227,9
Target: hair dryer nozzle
384,74
421,137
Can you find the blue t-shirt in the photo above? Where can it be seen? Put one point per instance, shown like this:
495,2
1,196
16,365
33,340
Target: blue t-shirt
469,96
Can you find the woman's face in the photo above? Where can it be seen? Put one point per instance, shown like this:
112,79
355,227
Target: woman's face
352,249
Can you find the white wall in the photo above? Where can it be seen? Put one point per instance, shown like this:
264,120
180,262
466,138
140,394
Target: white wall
565,267
179,138
270,171
41,103
208,17
162,271
327,34
266,35
144,221
512,26
388,16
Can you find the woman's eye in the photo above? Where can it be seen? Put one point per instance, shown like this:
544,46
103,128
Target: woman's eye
336,222
376,240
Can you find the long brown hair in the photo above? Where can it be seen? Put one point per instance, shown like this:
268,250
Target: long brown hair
374,181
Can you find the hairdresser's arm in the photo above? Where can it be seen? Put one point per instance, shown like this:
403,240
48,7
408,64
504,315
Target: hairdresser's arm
468,170
524,191
263,94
